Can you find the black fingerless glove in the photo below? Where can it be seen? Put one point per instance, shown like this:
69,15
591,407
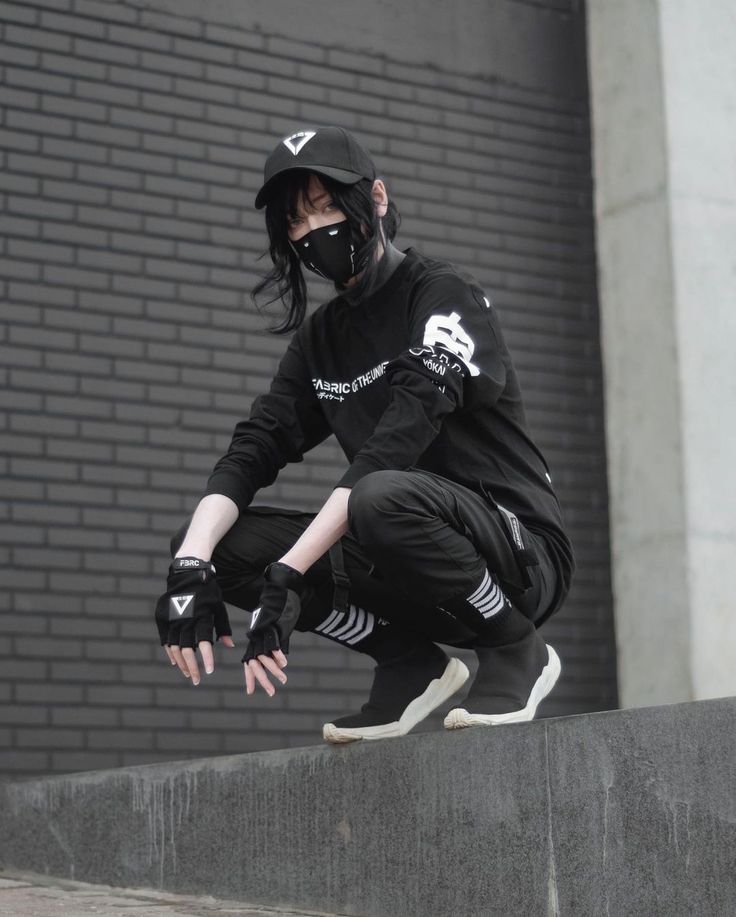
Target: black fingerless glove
192,605
275,618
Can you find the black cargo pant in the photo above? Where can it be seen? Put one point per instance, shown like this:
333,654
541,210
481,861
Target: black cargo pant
416,543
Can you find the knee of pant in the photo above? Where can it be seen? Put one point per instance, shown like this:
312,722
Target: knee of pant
371,498
240,580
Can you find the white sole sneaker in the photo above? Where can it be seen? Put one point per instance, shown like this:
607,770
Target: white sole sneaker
460,719
437,692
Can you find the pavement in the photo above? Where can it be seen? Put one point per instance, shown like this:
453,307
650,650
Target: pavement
31,895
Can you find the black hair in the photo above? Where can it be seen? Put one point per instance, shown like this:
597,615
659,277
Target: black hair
285,280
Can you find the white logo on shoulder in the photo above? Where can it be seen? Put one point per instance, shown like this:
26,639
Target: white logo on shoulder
181,602
298,141
446,331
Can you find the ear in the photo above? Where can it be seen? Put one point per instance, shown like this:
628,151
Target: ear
380,198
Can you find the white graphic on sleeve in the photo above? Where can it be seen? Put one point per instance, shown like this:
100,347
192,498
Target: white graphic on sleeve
297,141
446,331
436,361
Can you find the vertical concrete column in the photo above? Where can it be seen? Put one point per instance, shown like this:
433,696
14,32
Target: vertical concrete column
663,94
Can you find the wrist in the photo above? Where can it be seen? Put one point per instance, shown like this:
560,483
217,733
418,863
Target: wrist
188,563
296,559
198,550
284,575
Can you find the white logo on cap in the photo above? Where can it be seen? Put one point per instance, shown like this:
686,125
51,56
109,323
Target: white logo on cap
296,142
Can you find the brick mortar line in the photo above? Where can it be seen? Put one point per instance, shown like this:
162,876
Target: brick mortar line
142,108
571,257
561,200
265,51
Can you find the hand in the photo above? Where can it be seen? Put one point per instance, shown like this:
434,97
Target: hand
187,613
271,626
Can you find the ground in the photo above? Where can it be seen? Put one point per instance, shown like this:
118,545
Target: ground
30,895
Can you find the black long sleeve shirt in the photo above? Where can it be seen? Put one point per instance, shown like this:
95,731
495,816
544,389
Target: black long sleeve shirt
416,374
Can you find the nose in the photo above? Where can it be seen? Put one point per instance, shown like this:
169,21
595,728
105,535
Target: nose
315,220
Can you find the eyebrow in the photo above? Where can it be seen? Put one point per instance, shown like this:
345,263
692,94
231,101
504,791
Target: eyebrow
314,202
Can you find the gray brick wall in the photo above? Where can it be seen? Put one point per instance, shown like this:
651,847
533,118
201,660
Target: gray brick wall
132,142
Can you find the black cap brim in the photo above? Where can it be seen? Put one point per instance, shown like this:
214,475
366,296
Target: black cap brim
341,175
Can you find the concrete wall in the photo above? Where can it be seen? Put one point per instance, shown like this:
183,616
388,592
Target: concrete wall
629,813
132,140
663,90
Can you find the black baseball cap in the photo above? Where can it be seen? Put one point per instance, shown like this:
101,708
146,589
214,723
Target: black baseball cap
330,151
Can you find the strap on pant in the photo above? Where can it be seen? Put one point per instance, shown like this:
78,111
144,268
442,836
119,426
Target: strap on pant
339,578
525,557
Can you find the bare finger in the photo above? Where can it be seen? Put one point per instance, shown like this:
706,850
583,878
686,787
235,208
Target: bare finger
208,660
191,661
280,658
250,682
261,677
179,660
268,663
170,655
226,641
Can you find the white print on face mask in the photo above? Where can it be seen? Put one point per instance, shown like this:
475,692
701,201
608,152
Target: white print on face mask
447,332
334,390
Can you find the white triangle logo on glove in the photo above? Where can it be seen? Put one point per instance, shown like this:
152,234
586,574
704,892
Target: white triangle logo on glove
255,617
181,602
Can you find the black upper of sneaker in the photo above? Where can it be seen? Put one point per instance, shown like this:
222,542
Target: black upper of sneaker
395,685
506,675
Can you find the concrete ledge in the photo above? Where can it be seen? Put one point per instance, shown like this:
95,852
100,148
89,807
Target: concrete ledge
30,895
621,813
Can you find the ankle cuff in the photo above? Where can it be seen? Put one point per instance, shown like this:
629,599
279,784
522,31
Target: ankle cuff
508,626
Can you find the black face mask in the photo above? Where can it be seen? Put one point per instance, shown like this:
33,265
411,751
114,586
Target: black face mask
330,252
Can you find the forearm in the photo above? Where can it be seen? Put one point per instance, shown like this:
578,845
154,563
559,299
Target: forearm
327,527
213,518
